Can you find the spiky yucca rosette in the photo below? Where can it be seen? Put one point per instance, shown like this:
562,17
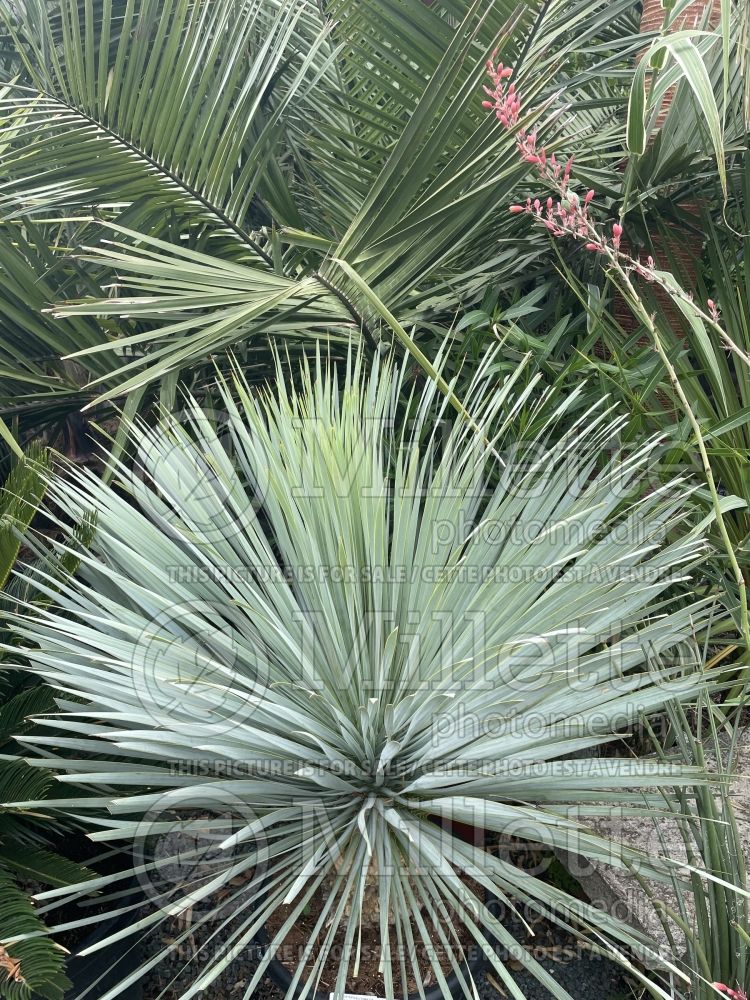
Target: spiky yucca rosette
310,626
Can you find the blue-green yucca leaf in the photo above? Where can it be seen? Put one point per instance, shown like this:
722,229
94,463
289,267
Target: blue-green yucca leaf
319,631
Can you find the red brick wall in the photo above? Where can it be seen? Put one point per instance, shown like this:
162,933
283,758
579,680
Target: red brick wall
653,18
653,15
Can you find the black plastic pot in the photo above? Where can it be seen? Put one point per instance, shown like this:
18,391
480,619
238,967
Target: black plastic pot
278,973
93,975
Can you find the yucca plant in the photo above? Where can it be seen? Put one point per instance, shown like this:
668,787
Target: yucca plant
29,839
337,624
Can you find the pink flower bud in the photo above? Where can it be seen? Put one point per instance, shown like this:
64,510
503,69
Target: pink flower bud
617,230
592,246
516,208
487,104
506,72
589,197
710,303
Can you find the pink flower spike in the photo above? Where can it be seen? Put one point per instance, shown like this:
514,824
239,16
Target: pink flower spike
732,994
589,197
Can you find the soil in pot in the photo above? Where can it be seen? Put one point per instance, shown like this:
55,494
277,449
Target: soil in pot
369,980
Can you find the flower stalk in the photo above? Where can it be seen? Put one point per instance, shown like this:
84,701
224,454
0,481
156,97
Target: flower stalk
569,216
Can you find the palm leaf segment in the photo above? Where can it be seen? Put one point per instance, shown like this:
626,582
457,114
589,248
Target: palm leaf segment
334,629
239,150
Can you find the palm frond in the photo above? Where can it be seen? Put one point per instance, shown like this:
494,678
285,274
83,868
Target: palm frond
281,136
19,499
41,963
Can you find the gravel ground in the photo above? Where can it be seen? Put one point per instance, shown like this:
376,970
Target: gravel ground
586,978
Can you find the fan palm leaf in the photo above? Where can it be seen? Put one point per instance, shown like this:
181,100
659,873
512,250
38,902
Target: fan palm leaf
282,136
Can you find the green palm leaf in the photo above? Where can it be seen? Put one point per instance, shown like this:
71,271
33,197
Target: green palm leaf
19,499
277,140
41,962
